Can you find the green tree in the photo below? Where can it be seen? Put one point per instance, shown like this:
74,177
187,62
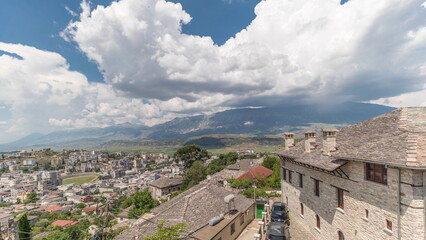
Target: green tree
142,202
80,205
195,174
270,161
189,154
24,227
31,198
169,233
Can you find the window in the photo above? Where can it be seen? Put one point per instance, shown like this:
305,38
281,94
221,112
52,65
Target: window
389,225
290,176
241,219
232,228
300,180
366,213
376,173
301,209
316,187
318,222
286,199
341,236
285,174
340,203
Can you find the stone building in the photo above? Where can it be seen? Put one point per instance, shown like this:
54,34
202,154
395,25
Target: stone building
366,181
164,186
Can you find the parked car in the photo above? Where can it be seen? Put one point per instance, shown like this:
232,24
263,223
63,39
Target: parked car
279,213
277,231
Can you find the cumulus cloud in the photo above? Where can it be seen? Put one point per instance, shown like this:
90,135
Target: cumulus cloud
293,51
42,94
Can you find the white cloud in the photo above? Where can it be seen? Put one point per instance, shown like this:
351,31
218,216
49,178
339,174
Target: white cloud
300,51
306,50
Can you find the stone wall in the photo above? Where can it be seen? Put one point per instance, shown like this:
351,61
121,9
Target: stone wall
360,195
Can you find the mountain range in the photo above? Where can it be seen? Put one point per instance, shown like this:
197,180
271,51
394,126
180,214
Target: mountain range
246,121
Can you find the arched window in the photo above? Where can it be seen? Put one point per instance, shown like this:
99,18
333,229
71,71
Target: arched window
318,222
341,236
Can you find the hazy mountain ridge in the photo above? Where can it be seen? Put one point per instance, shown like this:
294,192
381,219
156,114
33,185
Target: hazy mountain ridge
249,121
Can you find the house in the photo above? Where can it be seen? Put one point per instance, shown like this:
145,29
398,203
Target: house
164,186
245,164
256,173
64,223
366,181
196,207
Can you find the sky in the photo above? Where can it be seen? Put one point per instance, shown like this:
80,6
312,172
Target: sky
68,64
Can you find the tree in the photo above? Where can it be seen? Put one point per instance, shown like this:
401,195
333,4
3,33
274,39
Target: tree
31,198
80,205
195,174
142,202
270,161
189,154
169,233
24,227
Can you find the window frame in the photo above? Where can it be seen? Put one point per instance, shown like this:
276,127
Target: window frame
285,174
316,187
376,173
340,198
242,219
290,176
300,180
232,228
318,221
388,225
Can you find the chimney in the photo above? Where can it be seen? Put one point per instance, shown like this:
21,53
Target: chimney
288,140
329,141
309,141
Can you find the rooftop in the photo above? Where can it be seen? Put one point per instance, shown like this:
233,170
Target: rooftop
194,207
395,138
165,182
257,172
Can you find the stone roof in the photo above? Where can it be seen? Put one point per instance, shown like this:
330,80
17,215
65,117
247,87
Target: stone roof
245,164
165,182
194,207
396,138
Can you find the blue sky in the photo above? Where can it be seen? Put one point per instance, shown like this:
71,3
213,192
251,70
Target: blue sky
38,24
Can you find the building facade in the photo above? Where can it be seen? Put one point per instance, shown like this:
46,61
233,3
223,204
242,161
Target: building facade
366,181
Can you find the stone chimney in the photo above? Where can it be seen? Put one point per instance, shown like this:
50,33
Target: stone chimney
309,141
288,140
329,141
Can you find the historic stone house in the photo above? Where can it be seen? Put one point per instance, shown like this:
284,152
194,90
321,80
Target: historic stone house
366,181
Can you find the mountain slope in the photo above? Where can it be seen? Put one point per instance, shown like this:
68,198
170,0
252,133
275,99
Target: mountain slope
250,121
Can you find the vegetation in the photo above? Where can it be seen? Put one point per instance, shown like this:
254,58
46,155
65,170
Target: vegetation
169,233
31,198
195,174
191,153
263,185
140,203
24,227
79,180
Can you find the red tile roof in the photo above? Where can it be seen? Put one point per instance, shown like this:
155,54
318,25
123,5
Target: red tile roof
63,223
53,208
257,172
88,209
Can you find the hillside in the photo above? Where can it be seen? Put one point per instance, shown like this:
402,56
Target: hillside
246,121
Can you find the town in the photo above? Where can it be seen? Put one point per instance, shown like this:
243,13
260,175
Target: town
78,194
